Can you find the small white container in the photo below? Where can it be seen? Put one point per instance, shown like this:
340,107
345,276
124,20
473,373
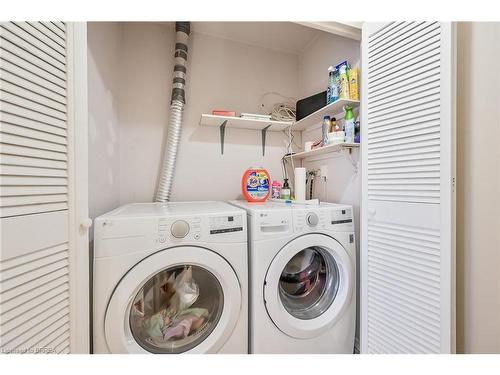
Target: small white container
336,137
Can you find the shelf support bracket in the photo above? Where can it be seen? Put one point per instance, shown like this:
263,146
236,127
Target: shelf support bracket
349,157
222,130
264,131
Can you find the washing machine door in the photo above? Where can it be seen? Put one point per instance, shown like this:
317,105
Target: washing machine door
308,285
184,299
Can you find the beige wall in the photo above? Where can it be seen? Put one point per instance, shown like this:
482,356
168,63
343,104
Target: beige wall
104,154
478,188
229,75
130,77
145,70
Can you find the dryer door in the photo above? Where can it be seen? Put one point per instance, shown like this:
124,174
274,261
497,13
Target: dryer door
308,285
178,300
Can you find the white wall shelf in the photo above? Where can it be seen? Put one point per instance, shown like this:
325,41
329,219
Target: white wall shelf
325,150
243,123
328,110
223,122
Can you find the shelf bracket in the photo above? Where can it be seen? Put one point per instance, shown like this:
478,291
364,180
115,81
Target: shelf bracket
222,129
349,157
264,131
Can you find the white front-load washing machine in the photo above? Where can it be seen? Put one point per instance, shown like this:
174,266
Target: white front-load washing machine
171,278
302,295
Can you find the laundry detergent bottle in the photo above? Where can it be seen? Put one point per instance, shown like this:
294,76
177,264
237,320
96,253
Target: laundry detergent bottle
255,184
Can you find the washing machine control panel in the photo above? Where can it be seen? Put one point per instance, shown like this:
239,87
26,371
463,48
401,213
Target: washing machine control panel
208,228
340,219
178,229
307,220
226,224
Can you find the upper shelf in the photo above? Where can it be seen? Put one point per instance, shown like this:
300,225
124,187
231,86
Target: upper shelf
330,109
324,150
243,123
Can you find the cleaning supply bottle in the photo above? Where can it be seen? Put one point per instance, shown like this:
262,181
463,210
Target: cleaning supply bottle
276,190
255,184
285,190
349,127
325,129
332,93
344,82
353,84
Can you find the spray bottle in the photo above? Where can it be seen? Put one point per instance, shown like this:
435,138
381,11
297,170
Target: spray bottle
349,127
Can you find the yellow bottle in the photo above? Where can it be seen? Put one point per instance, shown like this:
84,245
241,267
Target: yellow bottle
353,84
344,83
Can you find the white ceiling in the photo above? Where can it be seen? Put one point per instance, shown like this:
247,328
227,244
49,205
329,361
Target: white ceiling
282,36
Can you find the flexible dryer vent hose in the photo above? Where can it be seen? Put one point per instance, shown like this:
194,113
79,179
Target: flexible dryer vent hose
182,31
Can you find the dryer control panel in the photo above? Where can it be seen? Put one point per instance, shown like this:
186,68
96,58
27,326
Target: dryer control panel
203,228
145,226
226,224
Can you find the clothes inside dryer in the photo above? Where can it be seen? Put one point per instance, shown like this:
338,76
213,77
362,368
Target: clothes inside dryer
176,309
309,283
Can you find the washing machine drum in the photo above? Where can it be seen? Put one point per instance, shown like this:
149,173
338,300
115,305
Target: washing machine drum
176,309
308,285
183,299
301,273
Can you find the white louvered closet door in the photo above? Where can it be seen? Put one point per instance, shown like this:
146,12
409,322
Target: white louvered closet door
43,259
407,255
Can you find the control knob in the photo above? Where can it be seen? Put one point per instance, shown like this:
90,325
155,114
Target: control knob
312,219
179,229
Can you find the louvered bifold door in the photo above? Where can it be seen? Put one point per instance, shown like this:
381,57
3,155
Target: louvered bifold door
35,255
407,256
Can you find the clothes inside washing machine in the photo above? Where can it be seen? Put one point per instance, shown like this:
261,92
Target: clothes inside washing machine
301,273
309,283
176,309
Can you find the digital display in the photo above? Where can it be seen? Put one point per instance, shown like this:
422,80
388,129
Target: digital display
227,230
230,218
342,221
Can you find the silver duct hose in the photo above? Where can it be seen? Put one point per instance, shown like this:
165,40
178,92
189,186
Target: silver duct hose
182,30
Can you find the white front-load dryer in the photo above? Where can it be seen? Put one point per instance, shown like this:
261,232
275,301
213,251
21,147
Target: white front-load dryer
171,278
302,275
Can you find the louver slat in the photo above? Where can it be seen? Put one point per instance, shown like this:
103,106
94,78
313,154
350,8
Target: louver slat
31,71
20,37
